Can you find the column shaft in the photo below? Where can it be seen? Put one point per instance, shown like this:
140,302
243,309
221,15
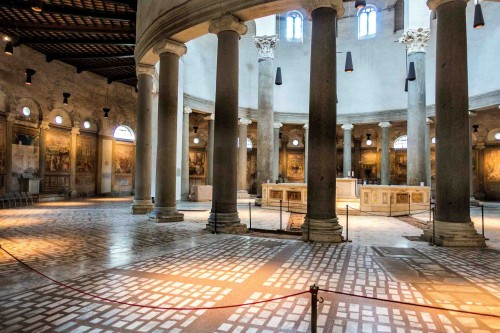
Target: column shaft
357,157
72,172
276,155
143,144
44,126
385,175
428,171
321,223
242,159
210,153
306,150
165,195
347,150
185,155
480,172
8,154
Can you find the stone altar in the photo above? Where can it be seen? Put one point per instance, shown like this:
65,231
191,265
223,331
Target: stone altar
394,199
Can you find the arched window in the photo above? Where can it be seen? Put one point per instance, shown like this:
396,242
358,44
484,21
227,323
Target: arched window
367,22
124,133
294,26
401,142
249,143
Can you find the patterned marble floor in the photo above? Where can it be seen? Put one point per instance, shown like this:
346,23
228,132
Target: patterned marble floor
97,246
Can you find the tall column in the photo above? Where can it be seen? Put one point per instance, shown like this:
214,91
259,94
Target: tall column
8,151
453,226
44,126
265,113
306,150
415,41
284,156
209,180
428,169
385,174
185,154
321,222
276,155
165,209
142,203
224,215
72,171
242,158
357,156
347,149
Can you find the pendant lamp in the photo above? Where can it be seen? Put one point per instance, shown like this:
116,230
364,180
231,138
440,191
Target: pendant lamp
9,48
359,4
411,72
279,80
478,17
406,85
29,74
37,5
65,98
106,112
348,63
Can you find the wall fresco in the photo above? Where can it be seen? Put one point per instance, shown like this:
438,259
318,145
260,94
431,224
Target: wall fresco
123,168
86,159
492,165
295,167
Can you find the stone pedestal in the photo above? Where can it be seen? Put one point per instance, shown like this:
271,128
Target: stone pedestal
385,174
415,41
224,214
185,188
209,180
242,158
321,222
165,209
276,155
452,219
72,172
143,144
265,113
347,150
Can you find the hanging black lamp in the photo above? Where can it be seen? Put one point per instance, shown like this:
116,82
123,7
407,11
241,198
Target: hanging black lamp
406,85
348,63
411,72
65,98
29,74
475,127
106,112
37,5
279,80
9,48
368,140
359,4
478,17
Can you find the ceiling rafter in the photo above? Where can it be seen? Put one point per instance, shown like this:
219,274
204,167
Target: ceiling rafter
107,29
77,41
80,69
51,57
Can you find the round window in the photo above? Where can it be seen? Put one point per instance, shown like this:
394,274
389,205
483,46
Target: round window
196,140
295,142
433,140
497,136
59,120
26,111
86,124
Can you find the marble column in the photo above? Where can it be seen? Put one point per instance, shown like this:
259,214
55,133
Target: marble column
142,203
480,194
8,152
242,158
265,113
72,171
209,180
44,126
185,154
165,209
347,150
453,226
276,155
224,214
415,41
306,150
428,169
284,156
357,157
321,222
385,174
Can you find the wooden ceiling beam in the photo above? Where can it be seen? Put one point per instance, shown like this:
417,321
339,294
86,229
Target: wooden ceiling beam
72,11
74,41
132,4
80,69
66,28
124,77
51,57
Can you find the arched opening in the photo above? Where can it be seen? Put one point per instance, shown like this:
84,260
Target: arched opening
367,22
124,133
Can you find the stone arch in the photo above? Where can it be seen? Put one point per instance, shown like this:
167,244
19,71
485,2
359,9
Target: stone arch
36,112
491,135
67,120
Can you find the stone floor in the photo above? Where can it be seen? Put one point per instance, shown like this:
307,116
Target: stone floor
97,246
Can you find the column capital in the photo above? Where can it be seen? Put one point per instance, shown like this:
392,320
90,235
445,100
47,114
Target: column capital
227,22
306,126
265,46
347,127
277,125
169,46
244,121
187,109
480,146
428,121
210,117
11,117
415,40
145,70
44,124
472,114
311,5
75,130
434,4
385,124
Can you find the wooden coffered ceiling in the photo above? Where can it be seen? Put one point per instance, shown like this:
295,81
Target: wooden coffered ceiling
92,35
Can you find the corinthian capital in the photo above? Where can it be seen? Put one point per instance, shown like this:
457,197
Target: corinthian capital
227,22
415,40
310,5
265,46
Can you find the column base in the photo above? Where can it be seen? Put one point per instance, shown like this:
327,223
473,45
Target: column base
452,234
321,230
166,214
242,194
227,223
140,207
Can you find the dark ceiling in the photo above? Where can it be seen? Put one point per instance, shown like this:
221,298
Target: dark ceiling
93,35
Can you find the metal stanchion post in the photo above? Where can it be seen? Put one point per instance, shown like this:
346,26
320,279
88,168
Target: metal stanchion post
314,308
215,214
308,226
409,204
390,205
482,219
250,214
430,209
347,223
288,204
281,215
433,227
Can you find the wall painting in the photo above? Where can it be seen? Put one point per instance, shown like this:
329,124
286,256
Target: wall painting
86,157
295,167
123,168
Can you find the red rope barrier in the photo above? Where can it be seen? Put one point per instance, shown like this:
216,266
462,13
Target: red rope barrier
412,304
149,306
